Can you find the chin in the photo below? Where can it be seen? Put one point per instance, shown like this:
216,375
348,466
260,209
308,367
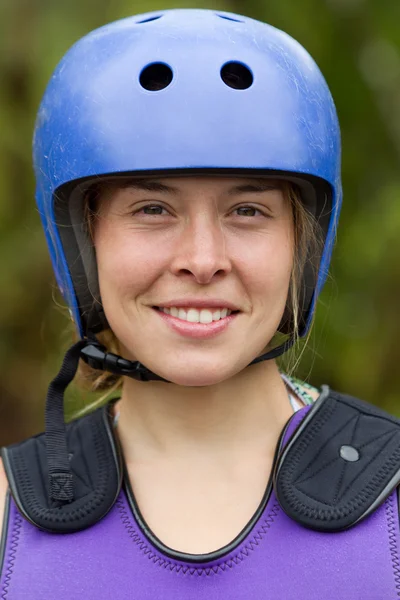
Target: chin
196,381
195,375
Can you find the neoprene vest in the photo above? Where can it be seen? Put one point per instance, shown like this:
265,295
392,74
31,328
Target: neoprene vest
326,529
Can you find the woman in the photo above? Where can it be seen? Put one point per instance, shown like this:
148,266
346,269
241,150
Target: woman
188,178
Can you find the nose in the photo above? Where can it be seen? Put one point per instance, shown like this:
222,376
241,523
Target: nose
201,250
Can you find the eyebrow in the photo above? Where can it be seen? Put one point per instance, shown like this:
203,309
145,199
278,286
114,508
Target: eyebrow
257,186
149,185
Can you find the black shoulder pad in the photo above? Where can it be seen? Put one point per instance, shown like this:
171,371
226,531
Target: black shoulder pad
340,464
97,475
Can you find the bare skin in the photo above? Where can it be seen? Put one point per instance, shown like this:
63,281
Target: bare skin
199,480
198,486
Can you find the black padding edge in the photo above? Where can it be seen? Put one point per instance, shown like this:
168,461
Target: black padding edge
323,491
97,475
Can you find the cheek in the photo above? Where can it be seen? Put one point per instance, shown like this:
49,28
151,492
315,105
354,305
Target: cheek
127,262
265,263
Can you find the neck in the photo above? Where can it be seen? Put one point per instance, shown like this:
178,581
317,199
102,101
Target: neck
244,413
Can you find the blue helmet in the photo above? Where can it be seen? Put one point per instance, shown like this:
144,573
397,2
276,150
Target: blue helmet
176,92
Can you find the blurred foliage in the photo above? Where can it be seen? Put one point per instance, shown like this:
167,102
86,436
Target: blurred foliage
355,344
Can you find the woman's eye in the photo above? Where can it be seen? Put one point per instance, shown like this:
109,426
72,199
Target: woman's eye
151,209
247,211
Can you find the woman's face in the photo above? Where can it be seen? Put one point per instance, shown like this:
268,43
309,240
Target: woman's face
175,251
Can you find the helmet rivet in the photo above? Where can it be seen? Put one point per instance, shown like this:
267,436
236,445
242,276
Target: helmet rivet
349,453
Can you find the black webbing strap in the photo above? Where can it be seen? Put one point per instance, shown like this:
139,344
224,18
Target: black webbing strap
61,489
60,475
275,352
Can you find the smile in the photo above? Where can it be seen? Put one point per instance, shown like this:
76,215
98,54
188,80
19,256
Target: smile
200,323
194,315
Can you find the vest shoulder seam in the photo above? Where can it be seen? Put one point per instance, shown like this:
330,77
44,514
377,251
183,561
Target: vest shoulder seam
393,524
15,534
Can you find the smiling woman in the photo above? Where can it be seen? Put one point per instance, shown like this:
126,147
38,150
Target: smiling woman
190,221
258,224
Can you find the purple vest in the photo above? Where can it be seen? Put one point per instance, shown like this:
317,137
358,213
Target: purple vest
278,560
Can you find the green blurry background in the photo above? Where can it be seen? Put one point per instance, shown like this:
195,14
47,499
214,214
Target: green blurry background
355,344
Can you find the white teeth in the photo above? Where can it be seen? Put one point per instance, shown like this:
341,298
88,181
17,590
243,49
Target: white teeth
206,316
193,315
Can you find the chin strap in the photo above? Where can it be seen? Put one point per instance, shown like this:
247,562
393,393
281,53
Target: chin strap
97,357
275,352
61,488
60,477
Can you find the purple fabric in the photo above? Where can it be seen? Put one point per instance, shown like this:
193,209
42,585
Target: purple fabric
279,560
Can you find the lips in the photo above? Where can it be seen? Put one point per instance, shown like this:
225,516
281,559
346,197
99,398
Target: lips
196,329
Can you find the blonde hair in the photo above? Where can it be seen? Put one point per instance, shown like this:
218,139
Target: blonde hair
307,251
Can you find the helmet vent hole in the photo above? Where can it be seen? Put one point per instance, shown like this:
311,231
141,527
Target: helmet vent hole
149,19
236,75
229,18
155,77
